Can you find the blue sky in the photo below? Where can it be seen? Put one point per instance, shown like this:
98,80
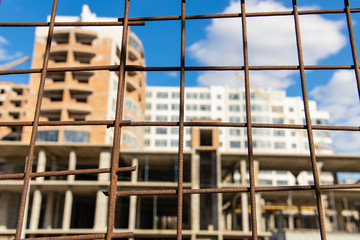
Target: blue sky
218,42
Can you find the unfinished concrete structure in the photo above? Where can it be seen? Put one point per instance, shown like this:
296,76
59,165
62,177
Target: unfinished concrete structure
86,95
77,204
13,99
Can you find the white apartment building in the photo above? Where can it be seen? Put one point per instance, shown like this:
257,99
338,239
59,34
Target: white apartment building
227,104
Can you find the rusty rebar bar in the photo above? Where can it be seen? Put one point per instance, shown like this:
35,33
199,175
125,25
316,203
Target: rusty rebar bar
308,124
29,162
117,128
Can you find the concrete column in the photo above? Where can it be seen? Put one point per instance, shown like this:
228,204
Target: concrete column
228,221
101,207
340,218
133,199
291,215
41,164
72,164
37,197
35,210
100,211
195,198
244,198
67,210
104,162
221,219
49,210
272,222
258,197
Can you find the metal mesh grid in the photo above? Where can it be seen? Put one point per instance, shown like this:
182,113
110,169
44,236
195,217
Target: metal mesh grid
118,123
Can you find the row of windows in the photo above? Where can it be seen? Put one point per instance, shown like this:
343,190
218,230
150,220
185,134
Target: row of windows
165,143
132,106
69,136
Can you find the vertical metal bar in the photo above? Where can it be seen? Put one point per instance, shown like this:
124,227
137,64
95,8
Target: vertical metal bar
249,126
29,162
181,125
117,128
308,123
353,44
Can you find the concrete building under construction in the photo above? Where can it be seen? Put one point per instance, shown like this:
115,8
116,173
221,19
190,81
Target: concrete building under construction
77,204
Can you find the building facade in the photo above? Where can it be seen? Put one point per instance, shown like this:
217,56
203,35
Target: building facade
86,95
13,99
226,104
63,205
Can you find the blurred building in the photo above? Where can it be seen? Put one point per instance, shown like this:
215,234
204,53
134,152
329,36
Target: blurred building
77,205
13,99
227,104
86,95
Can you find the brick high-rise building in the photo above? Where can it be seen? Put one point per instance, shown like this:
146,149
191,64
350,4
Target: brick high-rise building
86,95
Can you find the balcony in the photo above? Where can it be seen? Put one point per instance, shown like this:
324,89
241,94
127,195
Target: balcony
58,56
83,57
80,95
51,114
56,77
82,77
55,95
60,38
85,38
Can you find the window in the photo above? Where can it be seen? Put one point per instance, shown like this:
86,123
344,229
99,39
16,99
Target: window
234,108
234,119
175,130
175,95
293,145
161,118
205,107
148,118
175,106
235,144
278,120
291,109
148,106
278,109
259,131
47,136
76,136
161,107
279,145
282,182
265,182
218,96
147,142
234,96
148,94
162,95
160,143
161,130
174,118
279,133
191,107
147,130
204,95
191,95
188,143
261,144
219,108
174,143
234,132
281,172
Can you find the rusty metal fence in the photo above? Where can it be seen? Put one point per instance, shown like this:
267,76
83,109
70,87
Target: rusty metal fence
118,123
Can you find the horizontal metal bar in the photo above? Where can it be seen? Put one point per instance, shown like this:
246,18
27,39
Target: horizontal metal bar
128,123
235,190
238,15
67,24
86,237
188,68
65,173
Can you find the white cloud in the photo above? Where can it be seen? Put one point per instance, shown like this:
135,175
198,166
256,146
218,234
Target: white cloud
340,98
4,55
271,41
172,74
